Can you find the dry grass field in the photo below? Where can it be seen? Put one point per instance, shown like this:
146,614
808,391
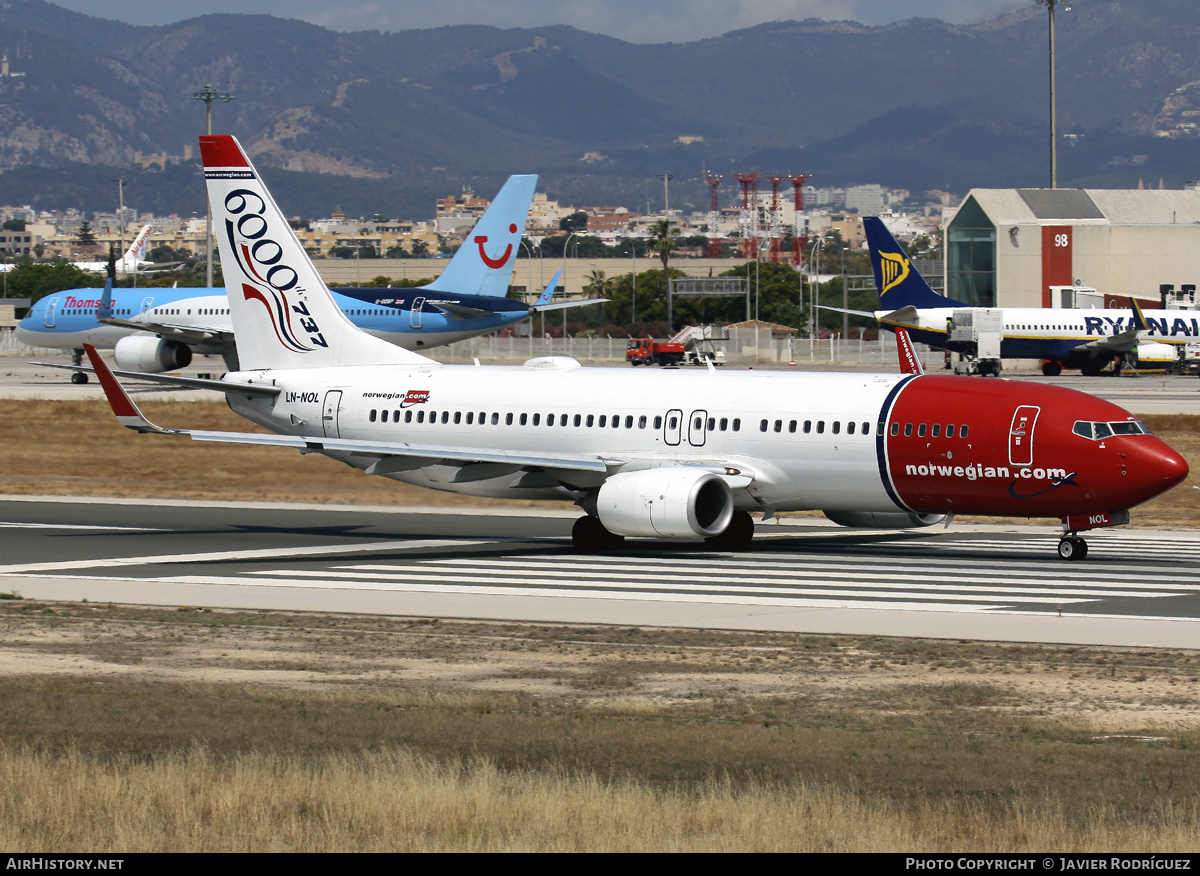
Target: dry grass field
136,729
192,730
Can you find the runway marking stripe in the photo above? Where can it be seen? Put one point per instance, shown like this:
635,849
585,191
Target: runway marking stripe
73,526
829,570
558,593
264,553
698,588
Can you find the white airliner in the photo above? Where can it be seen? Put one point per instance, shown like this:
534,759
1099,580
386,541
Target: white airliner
131,262
1087,339
667,454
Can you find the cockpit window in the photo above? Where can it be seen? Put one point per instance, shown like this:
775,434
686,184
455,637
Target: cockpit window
1099,431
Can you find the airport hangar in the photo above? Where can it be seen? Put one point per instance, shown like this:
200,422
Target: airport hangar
1007,247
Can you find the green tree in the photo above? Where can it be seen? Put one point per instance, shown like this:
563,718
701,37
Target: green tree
663,241
597,283
420,248
36,281
86,237
13,225
577,221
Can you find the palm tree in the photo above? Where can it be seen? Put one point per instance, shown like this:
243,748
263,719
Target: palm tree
597,282
661,239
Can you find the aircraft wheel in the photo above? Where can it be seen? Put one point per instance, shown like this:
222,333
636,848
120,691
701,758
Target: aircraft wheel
1051,369
737,534
590,536
1072,547
79,377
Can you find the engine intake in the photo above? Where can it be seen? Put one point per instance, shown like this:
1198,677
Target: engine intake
146,353
883,519
674,502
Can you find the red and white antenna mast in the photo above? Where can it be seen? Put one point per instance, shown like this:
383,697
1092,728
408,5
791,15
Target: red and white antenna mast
748,219
714,215
775,228
800,223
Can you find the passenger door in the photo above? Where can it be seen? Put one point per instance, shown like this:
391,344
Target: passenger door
1020,436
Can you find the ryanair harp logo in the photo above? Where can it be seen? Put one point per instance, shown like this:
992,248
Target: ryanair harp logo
894,269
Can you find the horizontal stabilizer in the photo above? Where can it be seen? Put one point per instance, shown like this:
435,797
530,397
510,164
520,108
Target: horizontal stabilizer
173,380
563,305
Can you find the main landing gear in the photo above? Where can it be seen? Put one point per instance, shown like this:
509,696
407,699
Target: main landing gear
590,536
78,377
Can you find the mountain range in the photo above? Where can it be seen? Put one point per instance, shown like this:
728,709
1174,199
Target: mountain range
387,122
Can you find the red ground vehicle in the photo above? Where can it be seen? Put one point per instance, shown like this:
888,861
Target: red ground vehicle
647,351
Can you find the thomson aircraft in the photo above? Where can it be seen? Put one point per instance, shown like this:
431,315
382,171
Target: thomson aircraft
1087,339
154,329
667,454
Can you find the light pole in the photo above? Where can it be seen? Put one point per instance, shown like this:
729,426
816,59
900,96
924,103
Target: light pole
666,178
633,251
208,94
120,181
1050,5
566,247
814,260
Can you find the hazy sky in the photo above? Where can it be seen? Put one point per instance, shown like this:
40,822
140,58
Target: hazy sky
632,20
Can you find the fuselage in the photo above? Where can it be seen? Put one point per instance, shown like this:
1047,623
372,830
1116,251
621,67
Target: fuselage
1052,333
927,444
405,317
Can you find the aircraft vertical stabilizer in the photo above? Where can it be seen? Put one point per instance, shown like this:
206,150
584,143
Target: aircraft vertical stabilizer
484,263
283,314
896,279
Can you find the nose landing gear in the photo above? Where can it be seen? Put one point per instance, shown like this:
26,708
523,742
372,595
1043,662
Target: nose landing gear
1072,547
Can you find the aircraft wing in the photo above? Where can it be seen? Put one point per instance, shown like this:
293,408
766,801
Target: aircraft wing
185,334
867,313
454,310
131,417
1122,342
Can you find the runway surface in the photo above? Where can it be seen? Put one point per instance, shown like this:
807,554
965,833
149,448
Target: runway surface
1002,583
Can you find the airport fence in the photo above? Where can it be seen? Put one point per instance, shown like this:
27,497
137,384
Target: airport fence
744,347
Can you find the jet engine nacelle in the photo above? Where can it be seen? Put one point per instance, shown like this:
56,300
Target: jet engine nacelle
145,353
883,519
672,502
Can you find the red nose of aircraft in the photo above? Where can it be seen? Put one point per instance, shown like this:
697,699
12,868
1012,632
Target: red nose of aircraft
1154,468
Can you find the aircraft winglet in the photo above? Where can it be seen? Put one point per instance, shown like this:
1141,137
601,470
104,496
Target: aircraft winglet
910,363
122,405
105,309
545,297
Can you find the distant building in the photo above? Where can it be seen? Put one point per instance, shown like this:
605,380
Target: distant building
1006,247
